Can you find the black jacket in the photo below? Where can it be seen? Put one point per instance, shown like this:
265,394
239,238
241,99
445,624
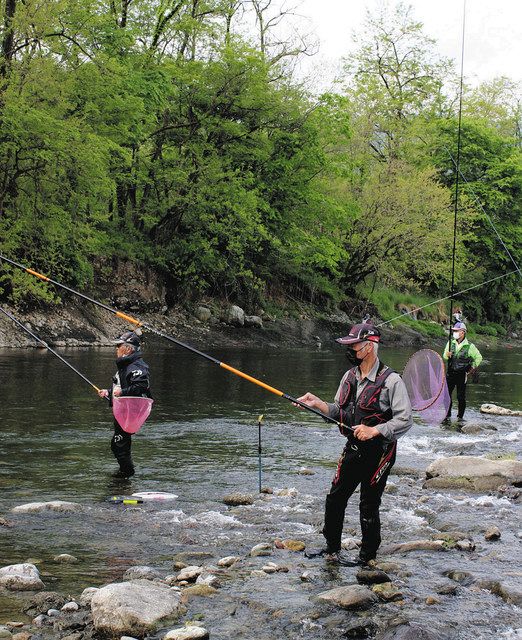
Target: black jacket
133,376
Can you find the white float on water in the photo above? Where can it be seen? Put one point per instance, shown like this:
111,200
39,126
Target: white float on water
155,495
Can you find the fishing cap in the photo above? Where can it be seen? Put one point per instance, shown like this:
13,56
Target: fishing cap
360,333
459,326
129,337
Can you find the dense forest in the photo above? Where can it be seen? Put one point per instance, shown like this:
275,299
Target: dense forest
177,134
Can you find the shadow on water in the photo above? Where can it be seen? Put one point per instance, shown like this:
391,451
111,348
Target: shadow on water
201,443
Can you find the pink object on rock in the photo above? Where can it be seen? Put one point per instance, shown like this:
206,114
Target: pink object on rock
131,412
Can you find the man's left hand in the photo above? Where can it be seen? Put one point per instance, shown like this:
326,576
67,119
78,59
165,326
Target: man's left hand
362,432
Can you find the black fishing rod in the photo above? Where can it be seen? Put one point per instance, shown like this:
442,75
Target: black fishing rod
44,344
148,327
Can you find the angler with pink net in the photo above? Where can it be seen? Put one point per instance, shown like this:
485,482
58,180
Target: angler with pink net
131,382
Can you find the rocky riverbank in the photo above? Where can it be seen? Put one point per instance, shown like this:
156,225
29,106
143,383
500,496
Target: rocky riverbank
206,594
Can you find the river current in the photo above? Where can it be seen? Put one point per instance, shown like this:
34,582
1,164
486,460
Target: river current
201,442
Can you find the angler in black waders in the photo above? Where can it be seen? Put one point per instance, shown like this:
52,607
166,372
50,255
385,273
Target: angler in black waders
131,379
373,403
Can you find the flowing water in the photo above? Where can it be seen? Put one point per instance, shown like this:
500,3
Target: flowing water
200,443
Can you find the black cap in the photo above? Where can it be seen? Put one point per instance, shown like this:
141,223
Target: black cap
129,337
360,333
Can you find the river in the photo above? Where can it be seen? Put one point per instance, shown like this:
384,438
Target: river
201,443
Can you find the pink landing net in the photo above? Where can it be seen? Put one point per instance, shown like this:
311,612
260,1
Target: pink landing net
131,412
425,380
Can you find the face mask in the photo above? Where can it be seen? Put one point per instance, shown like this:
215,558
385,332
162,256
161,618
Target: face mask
353,358
456,335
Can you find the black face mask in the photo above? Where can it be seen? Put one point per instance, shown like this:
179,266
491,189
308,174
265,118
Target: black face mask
352,357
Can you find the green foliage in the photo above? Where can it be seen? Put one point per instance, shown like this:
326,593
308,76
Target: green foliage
157,132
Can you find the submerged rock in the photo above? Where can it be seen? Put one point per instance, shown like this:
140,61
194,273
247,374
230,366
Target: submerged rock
187,633
43,601
262,549
238,499
387,591
508,592
492,533
228,561
145,573
21,577
133,607
405,632
189,574
498,411
416,545
65,558
371,576
350,597
472,473
58,506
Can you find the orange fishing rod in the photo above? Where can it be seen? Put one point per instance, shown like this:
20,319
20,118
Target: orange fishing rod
139,323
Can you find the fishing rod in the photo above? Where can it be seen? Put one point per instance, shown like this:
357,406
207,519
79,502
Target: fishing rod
148,327
43,343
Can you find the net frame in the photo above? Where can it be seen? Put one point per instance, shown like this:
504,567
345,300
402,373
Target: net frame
422,367
120,411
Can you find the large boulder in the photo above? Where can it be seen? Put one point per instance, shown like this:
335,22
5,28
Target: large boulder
475,474
235,316
21,577
133,608
498,411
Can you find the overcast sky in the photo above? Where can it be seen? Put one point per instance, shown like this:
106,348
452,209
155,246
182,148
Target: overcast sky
493,39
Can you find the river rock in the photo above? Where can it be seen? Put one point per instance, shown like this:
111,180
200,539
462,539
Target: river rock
65,558
86,596
350,597
68,607
447,589
43,601
141,572
350,543
360,629
209,579
5,634
21,577
371,576
498,411
203,314
492,533
405,632
508,592
462,577
415,545
387,591
228,561
58,506
305,471
187,633
238,499
189,574
290,545
235,316
203,590
473,473
253,321
133,607
262,549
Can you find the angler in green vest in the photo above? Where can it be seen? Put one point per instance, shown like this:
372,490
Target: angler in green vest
461,358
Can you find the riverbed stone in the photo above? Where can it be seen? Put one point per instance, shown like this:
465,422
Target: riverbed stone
238,499
202,590
5,634
405,632
371,576
58,506
415,545
68,607
495,409
43,601
228,561
141,572
133,607
305,471
472,473
387,591
21,577
349,597
65,558
190,574
360,629
447,589
290,544
187,633
86,596
462,577
510,593
492,533
263,549
202,313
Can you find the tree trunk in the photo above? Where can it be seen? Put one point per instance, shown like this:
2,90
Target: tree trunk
8,39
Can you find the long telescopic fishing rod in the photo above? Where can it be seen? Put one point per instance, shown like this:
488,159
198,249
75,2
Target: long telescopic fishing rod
139,323
44,344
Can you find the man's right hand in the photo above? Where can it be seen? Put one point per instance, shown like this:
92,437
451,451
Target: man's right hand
103,393
313,401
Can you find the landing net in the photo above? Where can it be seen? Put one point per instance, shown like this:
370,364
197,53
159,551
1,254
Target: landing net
425,380
131,412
